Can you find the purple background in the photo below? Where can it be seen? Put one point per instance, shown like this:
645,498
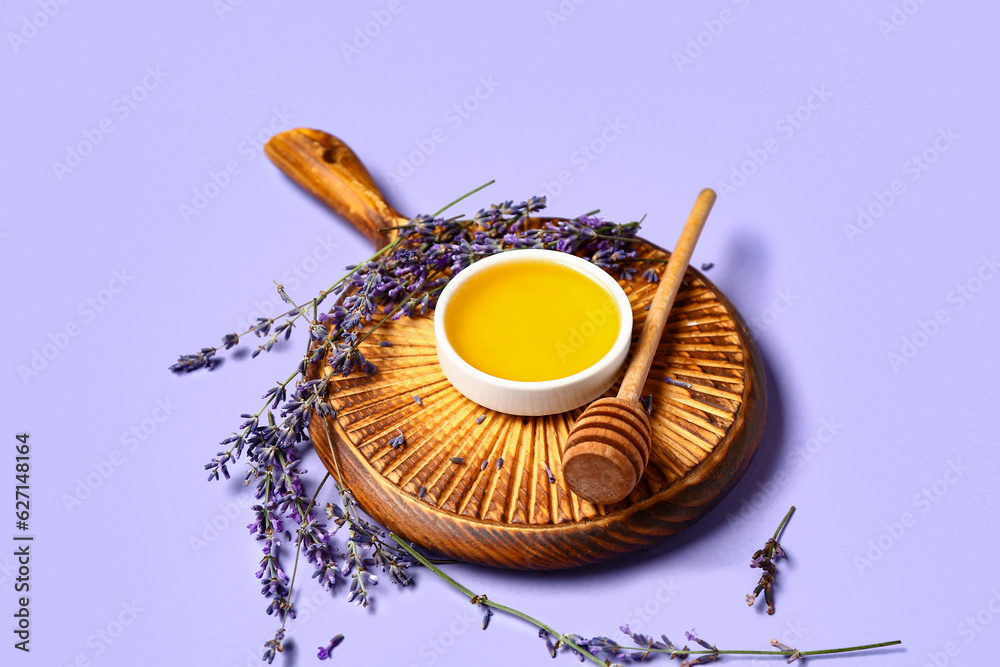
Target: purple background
839,99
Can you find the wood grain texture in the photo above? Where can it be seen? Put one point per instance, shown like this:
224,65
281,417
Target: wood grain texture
509,513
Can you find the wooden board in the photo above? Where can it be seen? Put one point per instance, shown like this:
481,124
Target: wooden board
512,515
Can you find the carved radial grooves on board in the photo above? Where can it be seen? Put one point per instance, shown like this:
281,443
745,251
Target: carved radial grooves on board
446,446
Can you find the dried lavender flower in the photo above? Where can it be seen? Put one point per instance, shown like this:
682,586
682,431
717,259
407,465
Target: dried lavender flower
764,559
485,463
548,472
677,383
480,418
647,404
499,463
398,441
487,615
326,651
705,266
457,459
418,400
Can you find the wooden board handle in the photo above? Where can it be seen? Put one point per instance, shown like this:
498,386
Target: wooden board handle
329,170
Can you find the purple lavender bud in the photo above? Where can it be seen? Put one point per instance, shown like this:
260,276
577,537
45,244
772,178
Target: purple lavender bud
480,418
499,463
677,383
705,266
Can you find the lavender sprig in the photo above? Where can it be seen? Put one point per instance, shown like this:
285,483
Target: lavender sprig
591,649
764,559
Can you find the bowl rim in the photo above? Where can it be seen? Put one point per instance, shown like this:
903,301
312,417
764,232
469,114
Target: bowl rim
621,344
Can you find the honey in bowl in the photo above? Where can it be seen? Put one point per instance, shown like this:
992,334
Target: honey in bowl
531,321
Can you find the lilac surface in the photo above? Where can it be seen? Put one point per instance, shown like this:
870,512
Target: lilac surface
891,460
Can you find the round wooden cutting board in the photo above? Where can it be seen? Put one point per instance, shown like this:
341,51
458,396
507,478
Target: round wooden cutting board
436,491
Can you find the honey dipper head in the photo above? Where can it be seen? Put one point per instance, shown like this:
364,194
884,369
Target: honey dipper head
607,450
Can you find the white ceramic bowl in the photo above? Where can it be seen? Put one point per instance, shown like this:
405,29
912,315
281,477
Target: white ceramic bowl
548,396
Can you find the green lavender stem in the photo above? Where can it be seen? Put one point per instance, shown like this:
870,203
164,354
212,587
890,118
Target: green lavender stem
826,651
482,599
781,526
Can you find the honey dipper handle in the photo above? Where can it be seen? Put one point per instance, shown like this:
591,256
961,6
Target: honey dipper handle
663,300
329,170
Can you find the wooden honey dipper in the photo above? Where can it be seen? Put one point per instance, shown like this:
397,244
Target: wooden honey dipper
608,447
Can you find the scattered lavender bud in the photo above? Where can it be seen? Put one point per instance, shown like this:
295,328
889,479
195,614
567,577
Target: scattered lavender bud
647,404
677,383
548,471
423,490
487,615
705,266
457,459
398,441
418,400
486,462
385,343
325,651
480,418
499,463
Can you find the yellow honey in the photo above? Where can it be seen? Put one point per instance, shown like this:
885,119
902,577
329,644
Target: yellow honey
531,320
